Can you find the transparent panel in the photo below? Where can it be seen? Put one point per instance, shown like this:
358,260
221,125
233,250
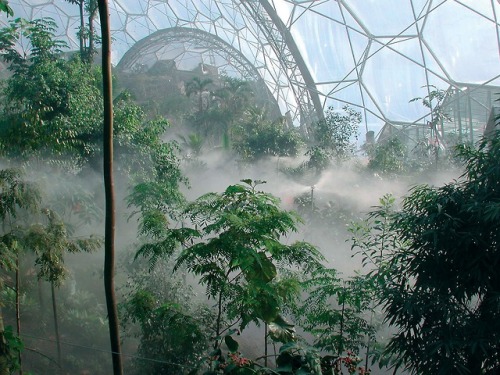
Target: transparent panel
457,48
328,53
439,42
392,81
380,17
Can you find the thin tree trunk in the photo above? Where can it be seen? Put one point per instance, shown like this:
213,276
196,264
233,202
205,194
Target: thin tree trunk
90,53
56,323
41,301
341,341
92,13
109,240
18,310
219,318
265,344
82,31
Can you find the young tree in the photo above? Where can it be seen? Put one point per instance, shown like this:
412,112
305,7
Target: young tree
164,314
234,246
438,270
16,196
198,86
53,110
50,241
257,137
52,106
337,133
336,312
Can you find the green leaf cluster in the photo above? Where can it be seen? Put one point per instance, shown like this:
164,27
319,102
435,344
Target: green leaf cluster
337,311
436,267
50,242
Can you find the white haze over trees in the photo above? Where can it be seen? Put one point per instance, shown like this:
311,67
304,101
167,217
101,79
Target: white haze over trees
225,145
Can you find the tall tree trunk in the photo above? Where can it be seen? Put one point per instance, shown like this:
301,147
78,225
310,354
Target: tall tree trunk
18,310
109,240
90,52
340,349
92,13
82,31
265,344
56,323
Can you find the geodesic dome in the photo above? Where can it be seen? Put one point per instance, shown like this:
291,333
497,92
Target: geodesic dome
374,55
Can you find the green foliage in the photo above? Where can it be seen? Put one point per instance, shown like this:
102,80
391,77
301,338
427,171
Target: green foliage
50,241
389,157
337,133
4,7
235,248
335,311
258,137
434,102
53,110
140,150
238,249
10,347
172,328
16,195
51,104
373,237
196,87
193,143
437,270
168,332
331,140
295,358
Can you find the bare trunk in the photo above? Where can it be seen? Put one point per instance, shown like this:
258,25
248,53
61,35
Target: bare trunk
265,344
219,318
90,53
341,341
18,310
82,31
109,241
56,323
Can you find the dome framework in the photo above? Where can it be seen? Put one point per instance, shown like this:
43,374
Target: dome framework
374,55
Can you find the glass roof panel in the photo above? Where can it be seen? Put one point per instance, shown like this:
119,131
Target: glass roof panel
380,17
328,53
447,42
387,73
395,46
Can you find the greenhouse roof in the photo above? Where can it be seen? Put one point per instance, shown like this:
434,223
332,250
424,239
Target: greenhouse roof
374,55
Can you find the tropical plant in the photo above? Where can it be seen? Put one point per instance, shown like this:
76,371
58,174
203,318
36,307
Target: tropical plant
436,264
337,133
50,241
388,157
4,7
16,196
258,137
337,311
86,33
163,313
52,116
234,247
51,104
198,86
